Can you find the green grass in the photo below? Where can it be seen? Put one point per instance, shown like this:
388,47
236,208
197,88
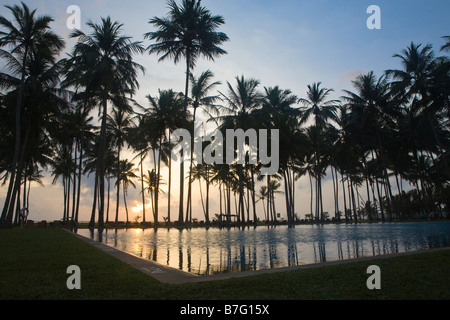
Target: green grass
33,265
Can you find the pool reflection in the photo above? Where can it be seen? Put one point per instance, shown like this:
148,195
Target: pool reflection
213,251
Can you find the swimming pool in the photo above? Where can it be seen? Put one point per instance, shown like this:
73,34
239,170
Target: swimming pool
211,251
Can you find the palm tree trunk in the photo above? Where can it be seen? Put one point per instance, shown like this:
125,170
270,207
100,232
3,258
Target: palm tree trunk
255,217
268,200
27,205
102,164
118,185
241,194
286,197
186,101
158,181
274,209
142,188
17,211
65,200
353,201
337,193
80,165
201,197
375,208
10,196
74,198
170,181
312,193
321,199
207,193
17,182
345,201
189,202
94,204
117,202
68,194
107,201
125,202
380,201
334,193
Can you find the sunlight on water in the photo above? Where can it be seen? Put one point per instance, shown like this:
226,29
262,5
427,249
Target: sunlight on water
211,251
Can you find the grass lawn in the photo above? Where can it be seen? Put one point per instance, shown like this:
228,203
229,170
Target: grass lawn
33,264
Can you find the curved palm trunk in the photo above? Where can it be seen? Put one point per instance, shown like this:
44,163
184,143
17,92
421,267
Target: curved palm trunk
125,202
12,191
18,178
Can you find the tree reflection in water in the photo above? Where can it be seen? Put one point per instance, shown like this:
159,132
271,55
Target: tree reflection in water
214,251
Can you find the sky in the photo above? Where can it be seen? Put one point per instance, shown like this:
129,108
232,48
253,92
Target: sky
290,43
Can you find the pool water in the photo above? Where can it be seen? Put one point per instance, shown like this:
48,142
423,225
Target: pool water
211,251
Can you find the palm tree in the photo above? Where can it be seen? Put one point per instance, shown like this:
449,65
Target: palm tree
199,172
189,32
370,118
118,125
102,63
159,120
139,145
263,195
126,175
28,35
277,112
62,168
153,183
414,86
33,174
240,100
83,135
201,98
317,106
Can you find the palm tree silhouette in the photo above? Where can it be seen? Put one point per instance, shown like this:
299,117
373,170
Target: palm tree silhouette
102,63
153,183
371,112
189,32
321,110
201,98
118,125
27,36
413,85
126,175
240,101
159,121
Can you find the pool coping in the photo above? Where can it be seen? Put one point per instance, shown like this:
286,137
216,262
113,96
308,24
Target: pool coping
169,275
